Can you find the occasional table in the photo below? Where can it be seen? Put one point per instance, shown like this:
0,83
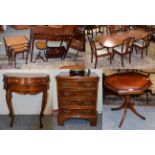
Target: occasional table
24,83
15,45
127,84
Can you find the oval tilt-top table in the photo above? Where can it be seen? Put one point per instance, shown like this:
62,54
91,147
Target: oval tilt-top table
24,83
116,39
127,84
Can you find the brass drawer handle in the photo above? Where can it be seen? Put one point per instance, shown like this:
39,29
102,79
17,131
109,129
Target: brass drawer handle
88,84
66,111
88,94
65,84
66,93
87,103
86,111
67,102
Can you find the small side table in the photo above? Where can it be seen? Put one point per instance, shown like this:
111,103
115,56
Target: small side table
127,84
26,84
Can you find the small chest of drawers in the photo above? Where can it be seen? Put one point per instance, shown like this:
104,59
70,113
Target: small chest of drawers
77,97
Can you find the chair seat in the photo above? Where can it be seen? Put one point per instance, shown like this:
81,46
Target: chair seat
102,52
119,49
41,45
138,43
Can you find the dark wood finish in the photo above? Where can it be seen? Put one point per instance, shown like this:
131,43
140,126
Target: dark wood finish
144,44
78,40
56,33
15,45
124,49
77,97
1,28
94,52
42,47
26,84
116,39
127,84
21,27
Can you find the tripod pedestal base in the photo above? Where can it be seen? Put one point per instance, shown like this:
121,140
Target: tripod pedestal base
127,104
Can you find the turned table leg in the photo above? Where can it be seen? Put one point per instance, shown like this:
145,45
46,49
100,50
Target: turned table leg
9,103
127,104
44,102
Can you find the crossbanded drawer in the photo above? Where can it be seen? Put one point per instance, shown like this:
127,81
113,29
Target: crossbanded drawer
28,87
76,93
77,112
77,84
76,103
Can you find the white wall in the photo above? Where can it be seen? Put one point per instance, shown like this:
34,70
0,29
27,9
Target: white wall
30,104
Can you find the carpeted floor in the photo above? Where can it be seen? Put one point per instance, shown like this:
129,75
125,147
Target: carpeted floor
31,122
83,58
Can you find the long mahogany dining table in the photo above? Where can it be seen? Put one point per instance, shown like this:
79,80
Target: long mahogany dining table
116,39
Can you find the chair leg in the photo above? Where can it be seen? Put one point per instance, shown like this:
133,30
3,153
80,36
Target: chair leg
110,60
122,60
130,57
95,63
146,51
76,55
27,55
142,53
15,60
91,57
147,97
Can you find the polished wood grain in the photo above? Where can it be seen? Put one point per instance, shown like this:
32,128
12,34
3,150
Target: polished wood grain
26,84
77,97
15,45
50,33
116,39
127,84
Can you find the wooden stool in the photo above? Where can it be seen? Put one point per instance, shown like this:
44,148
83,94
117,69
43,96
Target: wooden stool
42,47
127,84
24,83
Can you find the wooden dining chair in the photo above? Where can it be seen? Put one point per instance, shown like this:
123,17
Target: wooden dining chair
98,51
125,48
78,42
142,45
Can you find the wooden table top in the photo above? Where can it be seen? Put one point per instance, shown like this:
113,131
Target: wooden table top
116,39
53,30
16,40
127,83
27,75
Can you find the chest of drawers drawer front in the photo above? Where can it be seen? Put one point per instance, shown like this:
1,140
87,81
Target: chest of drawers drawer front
77,112
77,84
63,103
77,93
